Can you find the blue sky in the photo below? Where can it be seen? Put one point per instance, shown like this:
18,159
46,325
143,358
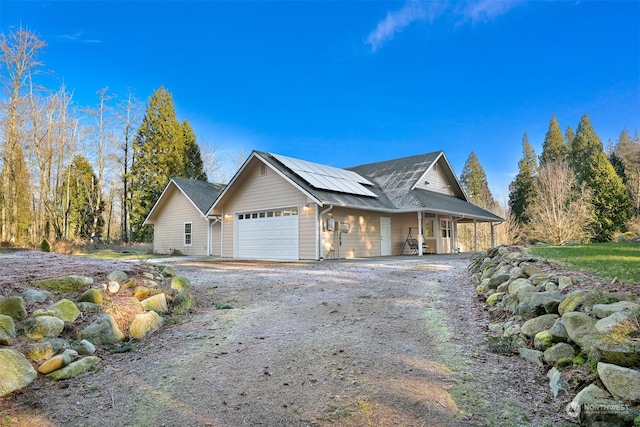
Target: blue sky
347,83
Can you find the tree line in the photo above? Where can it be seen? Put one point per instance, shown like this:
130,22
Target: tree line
575,191
71,173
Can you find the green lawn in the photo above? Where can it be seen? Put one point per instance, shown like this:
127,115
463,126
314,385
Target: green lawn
608,260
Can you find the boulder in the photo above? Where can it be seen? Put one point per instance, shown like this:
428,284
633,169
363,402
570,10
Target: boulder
516,273
75,368
65,310
558,332
564,282
16,372
141,292
494,298
89,307
542,340
607,413
550,286
534,356
157,303
132,283
559,386
103,331
623,354
92,295
117,276
580,327
618,320
623,383
32,296
167,271
85,348
43,327
144,324
589,394
113,286
572,301
7,330
538,279
62,285
183,284
14,307
530,269
543,302
184,302
537,324
57,362
45,348
605,310
559,351
520,287
496,281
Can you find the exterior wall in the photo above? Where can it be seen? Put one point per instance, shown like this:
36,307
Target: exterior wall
168,225
436,180
254,190
216,239
363,238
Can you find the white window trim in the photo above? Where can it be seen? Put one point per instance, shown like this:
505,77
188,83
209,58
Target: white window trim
184,234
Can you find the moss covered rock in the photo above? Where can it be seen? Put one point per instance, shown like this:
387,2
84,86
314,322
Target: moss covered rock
7,330
75,368
43,327
92,295
16,372
14,307
65,310
65,284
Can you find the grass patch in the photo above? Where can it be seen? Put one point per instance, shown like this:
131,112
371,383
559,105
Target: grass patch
607,260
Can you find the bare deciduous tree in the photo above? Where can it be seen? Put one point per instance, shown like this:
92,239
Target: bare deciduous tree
560,212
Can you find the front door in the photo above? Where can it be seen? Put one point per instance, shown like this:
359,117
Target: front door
385,236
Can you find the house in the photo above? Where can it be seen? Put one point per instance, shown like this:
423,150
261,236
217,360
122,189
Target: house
278,207
180,221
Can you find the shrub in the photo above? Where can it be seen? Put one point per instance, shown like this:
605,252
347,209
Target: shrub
44,246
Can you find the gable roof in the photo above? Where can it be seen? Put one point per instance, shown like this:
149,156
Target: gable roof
394,186
201,194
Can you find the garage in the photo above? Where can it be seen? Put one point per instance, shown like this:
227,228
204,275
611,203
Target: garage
267,234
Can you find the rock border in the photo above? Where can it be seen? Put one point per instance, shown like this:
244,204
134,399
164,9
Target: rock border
122,309
586,340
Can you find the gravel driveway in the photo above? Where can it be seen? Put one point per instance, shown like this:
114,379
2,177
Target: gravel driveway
384,342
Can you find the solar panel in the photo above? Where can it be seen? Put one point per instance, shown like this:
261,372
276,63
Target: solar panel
327,177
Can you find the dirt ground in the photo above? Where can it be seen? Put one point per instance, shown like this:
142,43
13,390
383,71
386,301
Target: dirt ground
385,342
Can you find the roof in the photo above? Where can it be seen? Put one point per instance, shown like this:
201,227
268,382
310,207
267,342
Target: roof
393,186
200,193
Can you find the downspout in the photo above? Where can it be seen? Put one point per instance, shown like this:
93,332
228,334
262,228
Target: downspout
321,251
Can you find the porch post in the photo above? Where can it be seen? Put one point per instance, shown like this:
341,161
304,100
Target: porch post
493,237
420,236
438,233
475,235
209,236
453,237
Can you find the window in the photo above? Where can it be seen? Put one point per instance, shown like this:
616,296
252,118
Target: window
263,169
428,228
445,228
187,234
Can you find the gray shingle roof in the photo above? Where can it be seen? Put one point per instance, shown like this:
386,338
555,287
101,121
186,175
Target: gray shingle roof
201,193
394,180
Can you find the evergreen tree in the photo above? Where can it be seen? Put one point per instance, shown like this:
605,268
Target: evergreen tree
194,166
474,182
83,218
591,166
553,148
163,149
569,134
522,187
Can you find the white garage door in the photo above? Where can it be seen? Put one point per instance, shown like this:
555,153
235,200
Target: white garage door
270,234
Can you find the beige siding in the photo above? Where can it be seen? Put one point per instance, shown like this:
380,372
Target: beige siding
435,179
216,239
168,225
254,190
363,238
